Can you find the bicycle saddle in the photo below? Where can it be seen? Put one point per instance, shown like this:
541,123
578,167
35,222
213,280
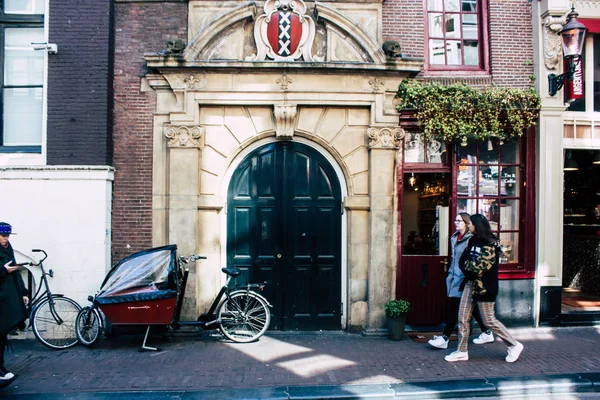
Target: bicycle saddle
233,272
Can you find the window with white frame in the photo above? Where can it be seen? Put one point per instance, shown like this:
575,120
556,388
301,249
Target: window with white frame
22,78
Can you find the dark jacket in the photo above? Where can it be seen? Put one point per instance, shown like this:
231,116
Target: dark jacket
12,290
482,255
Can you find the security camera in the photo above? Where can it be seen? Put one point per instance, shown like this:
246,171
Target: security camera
51,48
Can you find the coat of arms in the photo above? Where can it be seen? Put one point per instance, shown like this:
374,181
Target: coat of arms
283,32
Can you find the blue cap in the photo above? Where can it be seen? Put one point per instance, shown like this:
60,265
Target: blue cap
5,229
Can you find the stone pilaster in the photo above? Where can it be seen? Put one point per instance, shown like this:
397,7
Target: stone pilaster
184,160
383,145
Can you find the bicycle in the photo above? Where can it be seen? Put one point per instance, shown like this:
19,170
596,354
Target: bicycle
148,288
51,316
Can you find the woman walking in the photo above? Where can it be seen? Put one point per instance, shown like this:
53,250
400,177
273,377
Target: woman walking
479,264
459,241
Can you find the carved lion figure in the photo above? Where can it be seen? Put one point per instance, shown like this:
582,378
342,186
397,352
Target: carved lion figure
391,48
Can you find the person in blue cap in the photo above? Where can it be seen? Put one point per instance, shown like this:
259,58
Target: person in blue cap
13,297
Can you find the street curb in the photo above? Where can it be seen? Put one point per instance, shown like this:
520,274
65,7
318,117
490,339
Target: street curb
488,387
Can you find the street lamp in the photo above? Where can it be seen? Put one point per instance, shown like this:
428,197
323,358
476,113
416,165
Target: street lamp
573,37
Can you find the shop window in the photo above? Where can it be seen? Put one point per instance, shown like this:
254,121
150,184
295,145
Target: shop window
22,77
454,34
489,182
418,150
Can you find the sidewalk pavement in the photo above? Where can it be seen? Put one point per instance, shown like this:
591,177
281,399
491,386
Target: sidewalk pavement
307,365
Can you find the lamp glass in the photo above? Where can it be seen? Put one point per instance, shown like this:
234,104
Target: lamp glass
573,40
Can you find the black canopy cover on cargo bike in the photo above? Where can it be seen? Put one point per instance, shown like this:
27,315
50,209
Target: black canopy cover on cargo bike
148,288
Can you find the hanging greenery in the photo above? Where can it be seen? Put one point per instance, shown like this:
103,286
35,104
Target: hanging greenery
460,111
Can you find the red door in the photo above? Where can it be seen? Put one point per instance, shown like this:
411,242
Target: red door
425,204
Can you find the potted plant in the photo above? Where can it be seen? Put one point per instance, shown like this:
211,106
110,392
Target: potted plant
396,311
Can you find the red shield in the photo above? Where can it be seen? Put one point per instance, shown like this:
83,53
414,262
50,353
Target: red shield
284,32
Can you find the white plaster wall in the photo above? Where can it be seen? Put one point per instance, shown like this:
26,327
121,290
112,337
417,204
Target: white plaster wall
65,211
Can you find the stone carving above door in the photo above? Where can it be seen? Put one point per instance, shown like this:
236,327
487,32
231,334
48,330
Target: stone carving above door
284,32
285,117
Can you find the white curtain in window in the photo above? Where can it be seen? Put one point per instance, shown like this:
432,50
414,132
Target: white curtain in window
22,116
23,65
24,6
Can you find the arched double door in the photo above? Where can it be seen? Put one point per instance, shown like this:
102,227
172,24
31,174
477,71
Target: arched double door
284,228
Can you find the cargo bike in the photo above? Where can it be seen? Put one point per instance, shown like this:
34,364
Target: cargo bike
147,288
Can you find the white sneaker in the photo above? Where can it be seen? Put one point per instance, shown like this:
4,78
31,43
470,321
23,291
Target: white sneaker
439,342
457,356
484,338
514,352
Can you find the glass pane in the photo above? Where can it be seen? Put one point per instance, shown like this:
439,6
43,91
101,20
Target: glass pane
467,205
414,148
509,181
453,26
454,52
23,65
509,247
509,152
465,182
488,151
509,215
434,5
22,116
488,180
425,214
435,25
436,151
436,52
451,5
467,154
469,5
489,208
470,26
24,6
471,52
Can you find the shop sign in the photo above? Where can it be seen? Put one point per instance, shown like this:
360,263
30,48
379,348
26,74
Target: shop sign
574,88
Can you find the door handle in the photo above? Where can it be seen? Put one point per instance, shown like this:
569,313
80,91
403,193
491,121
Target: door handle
445,262
279,255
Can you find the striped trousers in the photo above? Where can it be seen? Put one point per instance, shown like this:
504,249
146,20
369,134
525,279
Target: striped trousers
486,308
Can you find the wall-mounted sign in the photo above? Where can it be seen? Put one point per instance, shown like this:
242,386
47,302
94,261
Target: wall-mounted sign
574,89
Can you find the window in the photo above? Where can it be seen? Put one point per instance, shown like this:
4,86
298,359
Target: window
22,78
416,150
454,34
489,182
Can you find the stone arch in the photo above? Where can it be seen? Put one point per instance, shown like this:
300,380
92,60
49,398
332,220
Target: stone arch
338,167
232,27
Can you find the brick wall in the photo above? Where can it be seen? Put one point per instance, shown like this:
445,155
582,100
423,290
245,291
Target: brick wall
140,28
80,83
510,36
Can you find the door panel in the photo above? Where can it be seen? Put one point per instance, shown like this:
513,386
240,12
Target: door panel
421,277
284,227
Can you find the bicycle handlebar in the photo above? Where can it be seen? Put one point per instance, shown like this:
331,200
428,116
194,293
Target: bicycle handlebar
192,258
40,251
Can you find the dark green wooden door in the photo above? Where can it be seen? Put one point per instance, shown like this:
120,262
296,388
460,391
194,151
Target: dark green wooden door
284,227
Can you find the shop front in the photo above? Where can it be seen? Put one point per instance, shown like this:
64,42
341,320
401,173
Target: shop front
569,189
438,180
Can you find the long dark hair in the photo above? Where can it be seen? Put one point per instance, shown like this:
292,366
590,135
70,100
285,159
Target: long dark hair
483,229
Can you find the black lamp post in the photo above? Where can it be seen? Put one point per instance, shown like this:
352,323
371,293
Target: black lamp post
573,37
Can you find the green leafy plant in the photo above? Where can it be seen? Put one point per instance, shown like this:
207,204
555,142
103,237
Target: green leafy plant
460,111
395,308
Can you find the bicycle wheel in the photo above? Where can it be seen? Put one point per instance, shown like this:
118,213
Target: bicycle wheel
244,317
54,322
88,326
